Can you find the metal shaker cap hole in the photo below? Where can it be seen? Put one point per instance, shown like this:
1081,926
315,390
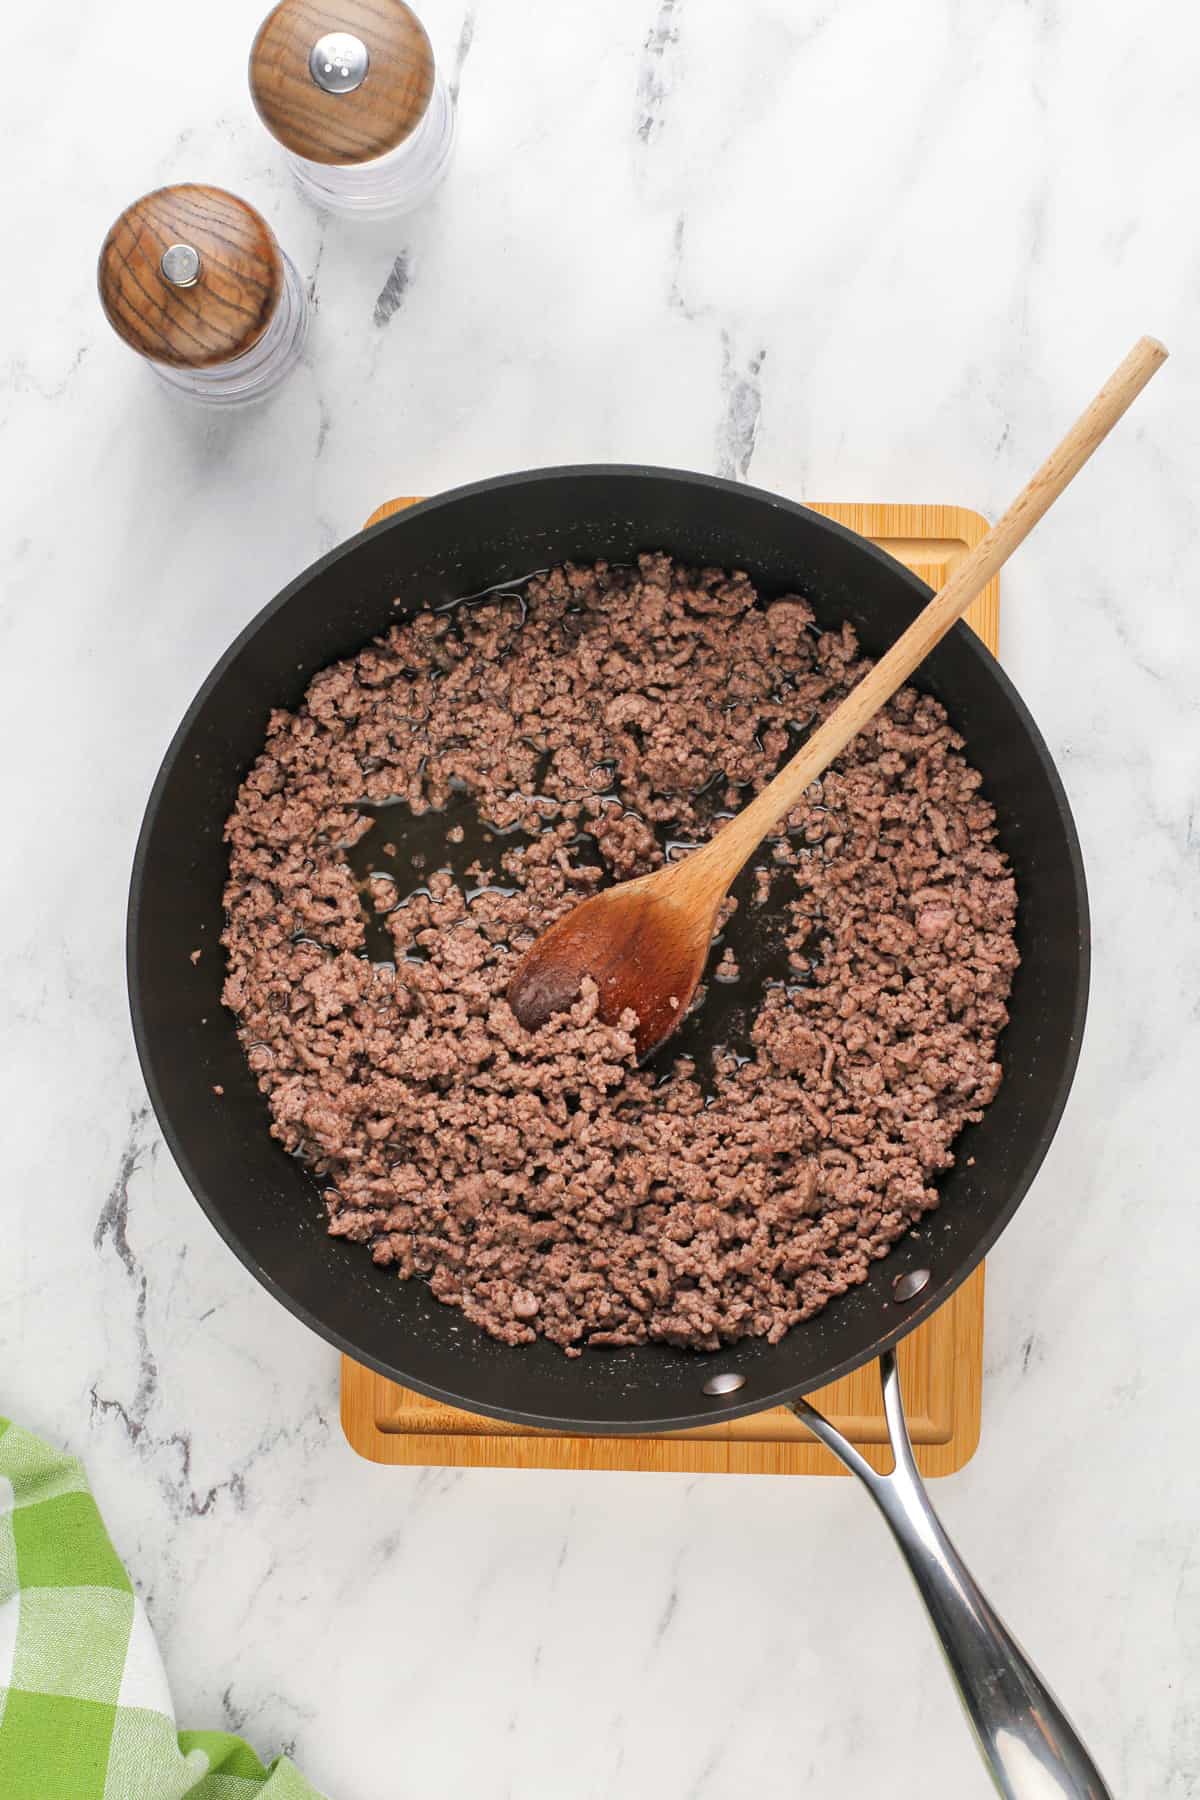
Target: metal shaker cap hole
910,1284
338,62
728,1382
180,265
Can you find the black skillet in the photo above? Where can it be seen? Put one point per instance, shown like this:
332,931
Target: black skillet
263,1203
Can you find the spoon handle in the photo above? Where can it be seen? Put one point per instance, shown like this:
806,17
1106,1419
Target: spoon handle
735,841
1032,1750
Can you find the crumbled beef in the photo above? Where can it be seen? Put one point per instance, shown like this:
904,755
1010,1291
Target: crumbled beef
541,1182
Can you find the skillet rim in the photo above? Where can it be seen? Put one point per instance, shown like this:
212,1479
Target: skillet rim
938,1292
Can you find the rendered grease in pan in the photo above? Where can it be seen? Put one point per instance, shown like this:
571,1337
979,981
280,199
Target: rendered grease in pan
443,796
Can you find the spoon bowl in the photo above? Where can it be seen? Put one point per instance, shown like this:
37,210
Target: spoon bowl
643,943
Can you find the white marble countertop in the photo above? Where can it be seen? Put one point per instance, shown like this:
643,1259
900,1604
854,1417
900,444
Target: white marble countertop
853,252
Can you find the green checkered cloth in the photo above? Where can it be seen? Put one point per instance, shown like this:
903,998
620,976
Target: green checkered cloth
85,1712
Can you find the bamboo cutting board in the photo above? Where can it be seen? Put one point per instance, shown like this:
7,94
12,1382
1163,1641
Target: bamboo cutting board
941,1364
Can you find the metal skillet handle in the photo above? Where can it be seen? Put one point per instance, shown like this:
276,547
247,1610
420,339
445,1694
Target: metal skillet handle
1030,1746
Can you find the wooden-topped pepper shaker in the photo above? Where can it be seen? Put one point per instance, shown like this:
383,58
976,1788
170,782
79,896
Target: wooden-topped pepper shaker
193,280
350,89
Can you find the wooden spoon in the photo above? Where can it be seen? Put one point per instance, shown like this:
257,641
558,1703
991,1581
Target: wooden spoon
645,942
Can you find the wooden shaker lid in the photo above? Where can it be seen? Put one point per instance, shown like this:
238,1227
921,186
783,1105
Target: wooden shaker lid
190,276
341,81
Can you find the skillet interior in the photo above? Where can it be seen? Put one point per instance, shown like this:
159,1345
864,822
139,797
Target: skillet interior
261,1201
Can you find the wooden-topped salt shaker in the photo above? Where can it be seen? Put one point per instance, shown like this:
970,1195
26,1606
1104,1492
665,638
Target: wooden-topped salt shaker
350,89
193,279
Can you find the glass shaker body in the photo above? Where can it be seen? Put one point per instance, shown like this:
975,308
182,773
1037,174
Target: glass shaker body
350,90
193,279
395,183
259,370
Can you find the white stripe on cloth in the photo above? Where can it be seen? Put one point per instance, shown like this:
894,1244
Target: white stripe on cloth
8,1553
72,1642
144,1681
36,1471
10,1619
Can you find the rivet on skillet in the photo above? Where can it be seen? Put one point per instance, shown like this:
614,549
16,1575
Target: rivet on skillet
726,1383
909,1285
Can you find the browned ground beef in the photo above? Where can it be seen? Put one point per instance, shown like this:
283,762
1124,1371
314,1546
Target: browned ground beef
540,1181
